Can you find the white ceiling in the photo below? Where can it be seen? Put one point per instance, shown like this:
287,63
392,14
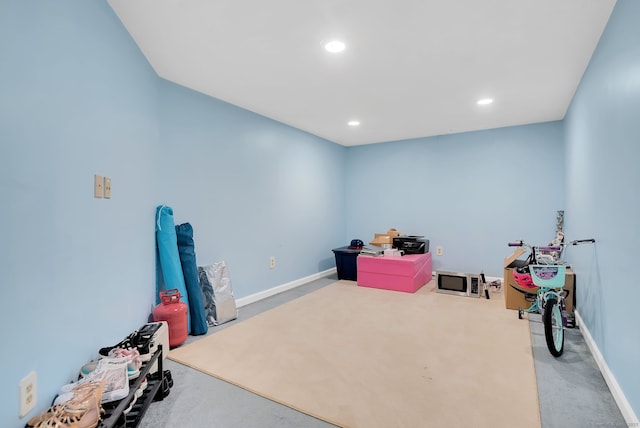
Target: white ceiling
412,68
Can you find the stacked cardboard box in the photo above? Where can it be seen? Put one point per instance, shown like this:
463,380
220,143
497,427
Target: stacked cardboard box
516,297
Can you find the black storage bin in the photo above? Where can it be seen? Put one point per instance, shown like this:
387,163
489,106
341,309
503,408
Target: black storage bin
346,263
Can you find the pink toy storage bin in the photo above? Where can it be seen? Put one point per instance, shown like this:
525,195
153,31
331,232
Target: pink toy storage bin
407,273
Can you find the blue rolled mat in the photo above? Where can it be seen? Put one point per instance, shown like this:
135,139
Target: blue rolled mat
186,249
169,257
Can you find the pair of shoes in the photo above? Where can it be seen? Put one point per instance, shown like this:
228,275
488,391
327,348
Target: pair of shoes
83,410
89,418
113,371
167,375
165,387
139,392
134,362
141,339
145,342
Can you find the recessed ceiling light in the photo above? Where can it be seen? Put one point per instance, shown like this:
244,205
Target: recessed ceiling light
485,101
353,123
335,46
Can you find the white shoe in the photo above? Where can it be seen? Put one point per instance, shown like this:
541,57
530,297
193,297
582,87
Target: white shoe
133,360
136,395
112,370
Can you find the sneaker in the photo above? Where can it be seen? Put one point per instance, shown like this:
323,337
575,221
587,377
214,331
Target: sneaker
163,391
126,343
132,371
143,384
133,360
141,339
144,340
88,368
136,395
112,370
167,375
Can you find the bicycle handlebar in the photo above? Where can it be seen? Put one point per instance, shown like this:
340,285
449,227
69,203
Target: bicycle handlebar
583,241
521,243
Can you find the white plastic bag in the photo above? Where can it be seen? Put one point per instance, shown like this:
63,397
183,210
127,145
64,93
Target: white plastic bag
219,302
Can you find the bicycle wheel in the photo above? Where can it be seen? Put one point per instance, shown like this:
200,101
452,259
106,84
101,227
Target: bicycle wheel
553,329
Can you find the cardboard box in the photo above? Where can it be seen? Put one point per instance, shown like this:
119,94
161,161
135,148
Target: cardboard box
516,297
509,261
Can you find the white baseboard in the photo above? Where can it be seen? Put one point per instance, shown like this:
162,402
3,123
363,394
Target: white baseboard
618,395
243,301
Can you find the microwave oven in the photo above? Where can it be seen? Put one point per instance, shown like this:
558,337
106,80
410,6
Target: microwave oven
459,284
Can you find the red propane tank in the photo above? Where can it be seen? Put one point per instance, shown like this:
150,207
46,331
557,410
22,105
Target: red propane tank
174,312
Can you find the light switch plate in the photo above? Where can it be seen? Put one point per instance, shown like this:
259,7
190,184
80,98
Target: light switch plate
98,186
107,187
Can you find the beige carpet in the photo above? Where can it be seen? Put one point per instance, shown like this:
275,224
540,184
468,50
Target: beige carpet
367,358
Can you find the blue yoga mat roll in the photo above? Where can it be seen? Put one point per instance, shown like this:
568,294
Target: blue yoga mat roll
186,249
167,243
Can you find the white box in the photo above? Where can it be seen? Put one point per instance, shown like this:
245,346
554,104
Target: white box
161,337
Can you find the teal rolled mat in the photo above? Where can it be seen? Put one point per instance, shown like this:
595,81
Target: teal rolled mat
187,251
169,257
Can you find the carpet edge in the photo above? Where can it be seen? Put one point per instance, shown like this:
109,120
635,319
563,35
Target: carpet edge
535,375
266,396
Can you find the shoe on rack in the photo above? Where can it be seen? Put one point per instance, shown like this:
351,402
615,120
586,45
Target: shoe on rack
133,369
139,392
113,371
163,391
88,418
91,366
88,368
145,340
167,375
143,384
164,376
86,398
141,339
126,343
133,360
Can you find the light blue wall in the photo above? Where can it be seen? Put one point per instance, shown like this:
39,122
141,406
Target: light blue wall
252,188
603,176
470,193
76,99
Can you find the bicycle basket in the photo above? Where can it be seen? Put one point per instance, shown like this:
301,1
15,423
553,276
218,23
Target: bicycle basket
549,276
548,255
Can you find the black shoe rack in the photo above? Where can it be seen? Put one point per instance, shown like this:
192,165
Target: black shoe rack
114,416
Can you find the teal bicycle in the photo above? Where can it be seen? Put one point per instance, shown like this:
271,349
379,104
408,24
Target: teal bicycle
550,302
545,271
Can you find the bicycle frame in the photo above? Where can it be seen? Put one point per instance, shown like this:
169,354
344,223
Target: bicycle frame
542,295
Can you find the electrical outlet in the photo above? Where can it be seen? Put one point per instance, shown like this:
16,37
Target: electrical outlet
28,393
107,187
98,184
438,251
272,262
